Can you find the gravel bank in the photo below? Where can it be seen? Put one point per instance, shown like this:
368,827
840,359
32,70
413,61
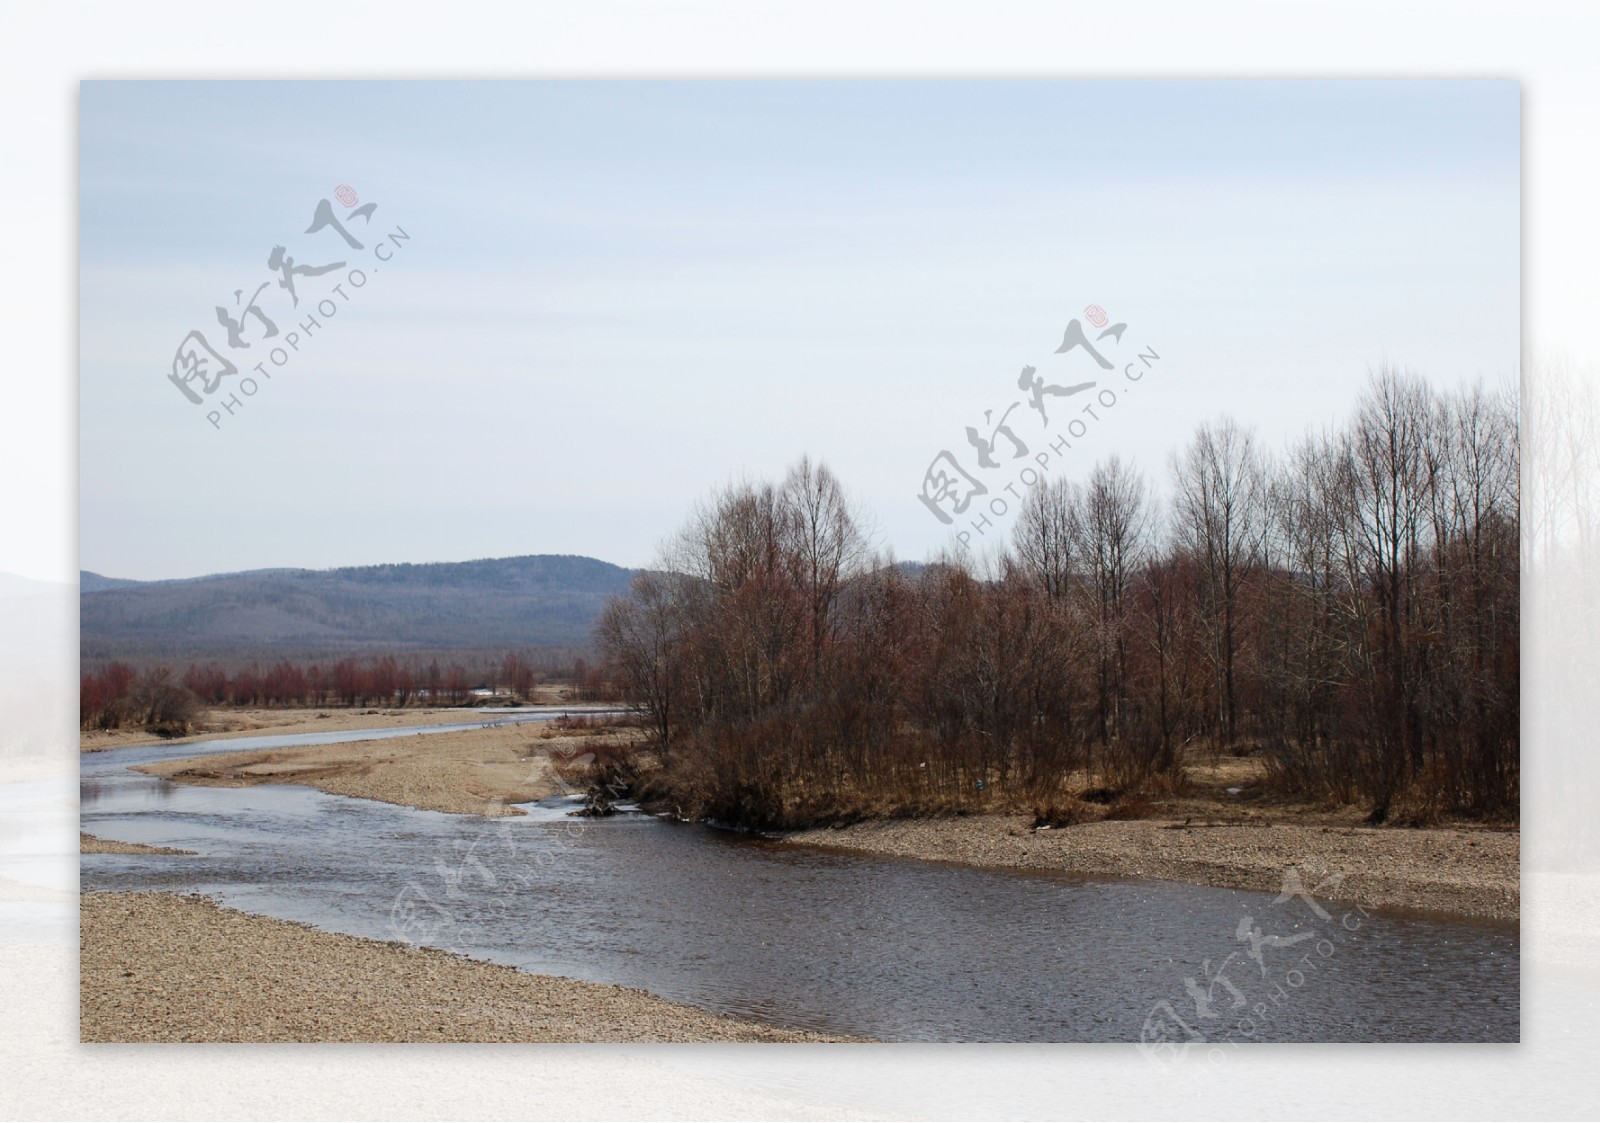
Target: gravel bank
225,722
156,967
471,772
1462,872
89,844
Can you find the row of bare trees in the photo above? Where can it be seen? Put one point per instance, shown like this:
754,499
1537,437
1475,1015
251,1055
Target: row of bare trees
1347,609
384,680
117,695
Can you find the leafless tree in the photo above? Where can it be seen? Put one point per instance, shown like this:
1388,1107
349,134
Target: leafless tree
1047,534
643,635
1112,540
1219,516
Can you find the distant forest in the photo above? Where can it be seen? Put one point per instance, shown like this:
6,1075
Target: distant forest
1346,609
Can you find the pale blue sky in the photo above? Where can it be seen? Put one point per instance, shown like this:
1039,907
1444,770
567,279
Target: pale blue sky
617,295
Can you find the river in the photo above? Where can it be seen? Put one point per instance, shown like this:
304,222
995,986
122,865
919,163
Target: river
807,938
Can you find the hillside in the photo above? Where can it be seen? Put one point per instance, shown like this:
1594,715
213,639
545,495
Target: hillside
504,603
94,583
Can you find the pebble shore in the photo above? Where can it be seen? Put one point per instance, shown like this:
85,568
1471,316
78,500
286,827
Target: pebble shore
156,967
1461,872
89,844
466,772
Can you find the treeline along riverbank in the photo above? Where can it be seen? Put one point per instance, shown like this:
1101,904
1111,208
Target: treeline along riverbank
1343,613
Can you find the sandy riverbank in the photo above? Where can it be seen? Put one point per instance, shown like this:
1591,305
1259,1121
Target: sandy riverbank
467,772
226,723
89,844
156,967
1464,872
1224,832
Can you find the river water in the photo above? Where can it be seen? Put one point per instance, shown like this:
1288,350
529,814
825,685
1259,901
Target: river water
802,937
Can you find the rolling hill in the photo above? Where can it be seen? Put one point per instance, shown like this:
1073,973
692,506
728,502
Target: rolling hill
546,600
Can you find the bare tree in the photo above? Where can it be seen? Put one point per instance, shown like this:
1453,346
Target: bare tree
829,547
1218,515
1112,539
643,634
1047,534
1393,461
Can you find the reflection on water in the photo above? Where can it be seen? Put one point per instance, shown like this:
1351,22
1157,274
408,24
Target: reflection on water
898,950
